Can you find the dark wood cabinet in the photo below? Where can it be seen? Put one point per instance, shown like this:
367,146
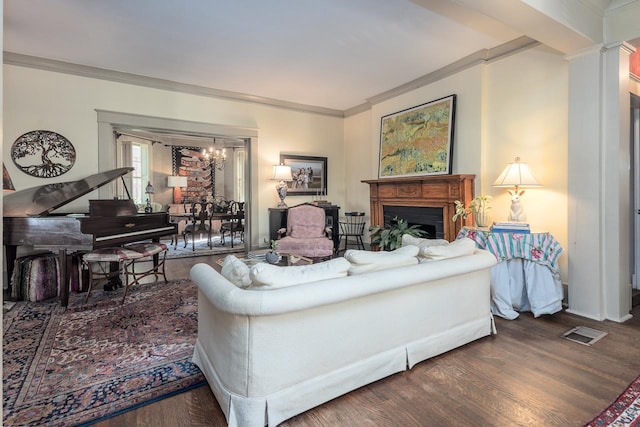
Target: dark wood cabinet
278,220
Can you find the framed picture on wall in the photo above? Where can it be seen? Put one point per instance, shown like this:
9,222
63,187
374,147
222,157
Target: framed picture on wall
190,162
418,140
309,174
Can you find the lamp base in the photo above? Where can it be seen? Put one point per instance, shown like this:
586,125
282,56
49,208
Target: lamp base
281,188
148,208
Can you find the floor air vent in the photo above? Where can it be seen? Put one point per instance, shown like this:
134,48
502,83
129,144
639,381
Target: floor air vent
583,335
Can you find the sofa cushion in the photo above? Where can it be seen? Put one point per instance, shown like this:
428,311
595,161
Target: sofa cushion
356,256
421,243
236,271
367,261
460,247
267,276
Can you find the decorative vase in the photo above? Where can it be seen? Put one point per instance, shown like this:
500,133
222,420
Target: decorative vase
272,257
481,219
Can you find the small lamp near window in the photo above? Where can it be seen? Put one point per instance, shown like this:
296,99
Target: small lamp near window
282,173
177,183
149,190
516,174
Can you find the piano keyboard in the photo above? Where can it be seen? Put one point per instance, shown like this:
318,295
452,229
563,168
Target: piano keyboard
169,229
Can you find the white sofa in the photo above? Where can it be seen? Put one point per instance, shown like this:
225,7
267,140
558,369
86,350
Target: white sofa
271,354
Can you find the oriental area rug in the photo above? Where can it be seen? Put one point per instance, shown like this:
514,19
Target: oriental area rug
625,411
90,362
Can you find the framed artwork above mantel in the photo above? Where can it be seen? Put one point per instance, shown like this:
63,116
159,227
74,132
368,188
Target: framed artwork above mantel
418,141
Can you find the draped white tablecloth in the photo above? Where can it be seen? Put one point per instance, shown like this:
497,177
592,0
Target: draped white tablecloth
527,276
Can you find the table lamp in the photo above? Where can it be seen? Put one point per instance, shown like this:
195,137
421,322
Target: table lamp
175,181
516,174
149,190
282,173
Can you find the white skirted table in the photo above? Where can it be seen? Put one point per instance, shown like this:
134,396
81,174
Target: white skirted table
527,276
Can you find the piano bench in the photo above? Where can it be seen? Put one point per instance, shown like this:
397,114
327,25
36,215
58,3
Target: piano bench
98,263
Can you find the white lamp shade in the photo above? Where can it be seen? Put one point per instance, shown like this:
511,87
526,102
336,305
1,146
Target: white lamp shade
282,173
516,174
176,181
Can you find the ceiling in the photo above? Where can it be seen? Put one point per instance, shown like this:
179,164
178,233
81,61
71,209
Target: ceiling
331,53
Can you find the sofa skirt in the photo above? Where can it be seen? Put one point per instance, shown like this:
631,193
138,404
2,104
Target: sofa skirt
273,409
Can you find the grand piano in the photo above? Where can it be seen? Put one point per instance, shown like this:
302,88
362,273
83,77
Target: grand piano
30,220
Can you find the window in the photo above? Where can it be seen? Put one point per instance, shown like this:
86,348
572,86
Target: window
239,156
136,154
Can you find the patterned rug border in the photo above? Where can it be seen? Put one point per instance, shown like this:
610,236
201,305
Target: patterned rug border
624,411
58,372
140,405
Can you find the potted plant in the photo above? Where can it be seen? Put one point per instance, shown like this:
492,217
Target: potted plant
390,238
478,207
272,256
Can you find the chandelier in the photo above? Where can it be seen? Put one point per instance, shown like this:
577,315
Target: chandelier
215,157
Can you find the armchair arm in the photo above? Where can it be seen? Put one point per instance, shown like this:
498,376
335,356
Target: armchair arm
281,232
328,231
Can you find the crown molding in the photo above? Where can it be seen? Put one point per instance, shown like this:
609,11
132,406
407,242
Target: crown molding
479,57
20,60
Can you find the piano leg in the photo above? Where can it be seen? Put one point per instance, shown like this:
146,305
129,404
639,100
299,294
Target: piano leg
114,281
10,253
65,275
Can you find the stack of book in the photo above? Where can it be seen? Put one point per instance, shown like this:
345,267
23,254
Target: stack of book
511,227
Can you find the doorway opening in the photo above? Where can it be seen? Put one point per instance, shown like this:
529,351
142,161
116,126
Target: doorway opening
162,134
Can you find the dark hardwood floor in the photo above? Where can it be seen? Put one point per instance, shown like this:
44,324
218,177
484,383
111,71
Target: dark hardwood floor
526,375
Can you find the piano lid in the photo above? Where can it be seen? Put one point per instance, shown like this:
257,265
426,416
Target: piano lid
42,200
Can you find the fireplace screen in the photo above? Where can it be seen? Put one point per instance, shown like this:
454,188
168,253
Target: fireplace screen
430,220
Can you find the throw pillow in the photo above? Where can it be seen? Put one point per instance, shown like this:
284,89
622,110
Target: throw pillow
367,261
267,276
367,268
356,256
422,243
460,247
236,271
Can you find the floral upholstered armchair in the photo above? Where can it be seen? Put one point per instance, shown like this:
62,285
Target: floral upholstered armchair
306,233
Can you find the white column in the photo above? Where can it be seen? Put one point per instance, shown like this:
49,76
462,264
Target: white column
599,184
617,226
585,195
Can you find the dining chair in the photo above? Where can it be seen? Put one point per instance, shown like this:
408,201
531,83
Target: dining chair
199,222
352,226
235,224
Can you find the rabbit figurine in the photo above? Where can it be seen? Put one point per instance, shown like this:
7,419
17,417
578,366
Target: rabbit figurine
517,211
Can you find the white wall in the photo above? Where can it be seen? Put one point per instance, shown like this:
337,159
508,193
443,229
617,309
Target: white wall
358,150
525,115
516,106
36,99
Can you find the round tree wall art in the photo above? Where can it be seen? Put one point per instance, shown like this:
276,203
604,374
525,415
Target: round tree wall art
43,154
